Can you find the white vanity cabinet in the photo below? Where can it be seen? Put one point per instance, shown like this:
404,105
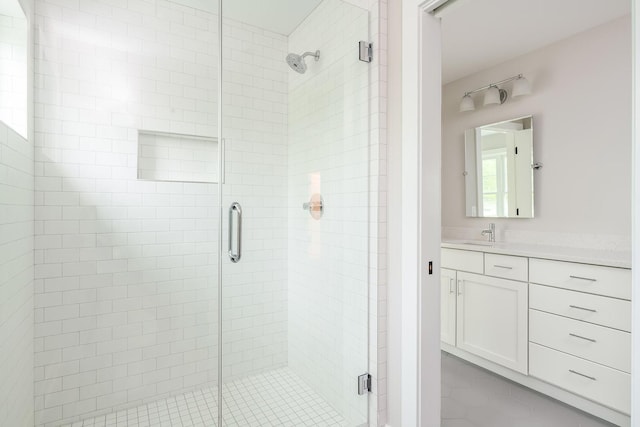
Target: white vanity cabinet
492,319
448,302
558,326
580,322
484,315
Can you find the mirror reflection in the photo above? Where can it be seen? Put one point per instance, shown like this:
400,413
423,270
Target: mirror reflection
13,66
499,169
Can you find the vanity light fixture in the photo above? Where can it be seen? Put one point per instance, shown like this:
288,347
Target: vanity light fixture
496,95
521,86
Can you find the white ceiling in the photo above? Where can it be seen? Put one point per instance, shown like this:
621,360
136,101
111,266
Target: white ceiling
279,16
11,8
478,34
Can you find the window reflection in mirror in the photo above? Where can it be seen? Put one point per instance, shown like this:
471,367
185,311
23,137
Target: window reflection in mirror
498,169
13,66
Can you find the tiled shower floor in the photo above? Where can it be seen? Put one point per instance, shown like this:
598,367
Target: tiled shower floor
275,398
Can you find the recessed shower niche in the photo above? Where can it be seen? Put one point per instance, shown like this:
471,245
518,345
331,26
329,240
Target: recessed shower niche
166,156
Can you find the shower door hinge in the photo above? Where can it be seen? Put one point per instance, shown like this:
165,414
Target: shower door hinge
364,383
366,51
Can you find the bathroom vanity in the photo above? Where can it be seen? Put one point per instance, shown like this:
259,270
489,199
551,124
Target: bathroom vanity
556,320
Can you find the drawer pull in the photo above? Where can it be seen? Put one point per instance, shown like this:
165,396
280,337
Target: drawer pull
582,338
583,308
582,375
503,266
588,279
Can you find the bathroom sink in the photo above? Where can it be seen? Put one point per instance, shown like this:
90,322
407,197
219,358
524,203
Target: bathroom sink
471,242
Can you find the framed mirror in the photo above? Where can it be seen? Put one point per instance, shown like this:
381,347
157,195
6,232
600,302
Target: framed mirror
499,169
13,66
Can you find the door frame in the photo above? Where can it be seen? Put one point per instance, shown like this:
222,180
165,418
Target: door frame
421,206
420,215
635,204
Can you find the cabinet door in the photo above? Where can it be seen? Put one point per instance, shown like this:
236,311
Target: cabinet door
448,306
492,319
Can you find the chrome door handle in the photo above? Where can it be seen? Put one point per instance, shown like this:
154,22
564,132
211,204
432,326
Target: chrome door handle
235,207
451,288
459,287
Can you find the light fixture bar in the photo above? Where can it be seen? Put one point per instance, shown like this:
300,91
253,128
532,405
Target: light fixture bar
519,76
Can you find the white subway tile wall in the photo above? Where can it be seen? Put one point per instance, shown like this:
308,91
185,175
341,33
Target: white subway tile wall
16,279
378,215
328,258
13,69
126,270
377,208
254,129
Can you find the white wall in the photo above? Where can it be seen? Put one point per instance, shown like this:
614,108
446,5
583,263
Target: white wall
16,279
126,291
126,280
254,127
580,103
635,141
378,191
126,284
394,247
328,258
16,261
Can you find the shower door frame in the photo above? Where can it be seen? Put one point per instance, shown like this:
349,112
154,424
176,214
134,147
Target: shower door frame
221,169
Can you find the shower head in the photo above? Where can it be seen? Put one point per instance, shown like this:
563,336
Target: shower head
296,62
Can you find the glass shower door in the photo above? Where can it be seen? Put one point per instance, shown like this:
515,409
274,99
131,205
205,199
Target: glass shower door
295,206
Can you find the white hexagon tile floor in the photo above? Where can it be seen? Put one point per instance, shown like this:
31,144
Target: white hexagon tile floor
475,397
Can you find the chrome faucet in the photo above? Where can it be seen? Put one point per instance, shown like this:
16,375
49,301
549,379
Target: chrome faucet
491,231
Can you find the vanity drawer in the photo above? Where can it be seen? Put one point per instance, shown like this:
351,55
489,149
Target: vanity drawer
604,385
591,342
455,259
594,279
506,266
611,312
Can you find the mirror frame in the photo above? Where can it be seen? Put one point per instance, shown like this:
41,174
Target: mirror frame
472,187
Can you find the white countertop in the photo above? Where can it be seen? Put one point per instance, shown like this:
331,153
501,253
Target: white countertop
621,259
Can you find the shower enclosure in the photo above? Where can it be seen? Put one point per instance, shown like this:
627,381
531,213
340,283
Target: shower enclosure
202,203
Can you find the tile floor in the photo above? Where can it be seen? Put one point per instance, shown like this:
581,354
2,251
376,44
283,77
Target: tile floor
471,397
474,397
275,398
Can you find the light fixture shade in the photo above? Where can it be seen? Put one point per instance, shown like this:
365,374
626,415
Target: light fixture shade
492,96
521,86
467,103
